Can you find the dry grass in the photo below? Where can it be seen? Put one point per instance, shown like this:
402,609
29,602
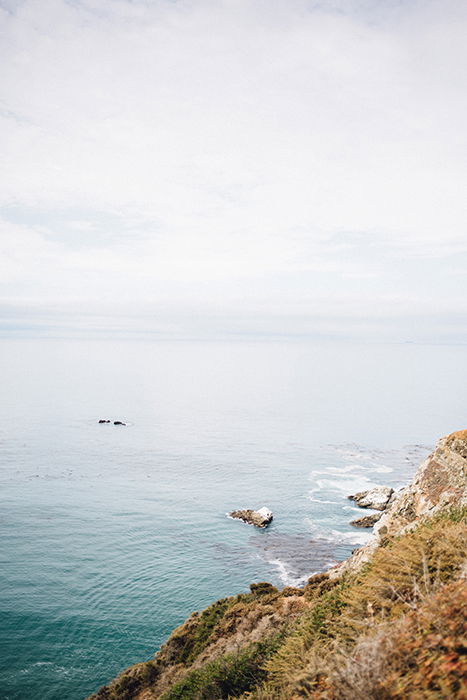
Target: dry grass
346,638
406,570
396,630
422,655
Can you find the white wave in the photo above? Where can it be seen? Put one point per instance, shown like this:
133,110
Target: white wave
55,668
322,500
382,469
346,469
337,536
287,578
43,663
360,537
359,483
321,532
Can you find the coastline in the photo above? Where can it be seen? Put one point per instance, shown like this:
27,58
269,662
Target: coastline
262,643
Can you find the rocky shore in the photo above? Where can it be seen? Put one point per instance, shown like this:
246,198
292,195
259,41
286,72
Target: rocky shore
378,498
439,483
389,622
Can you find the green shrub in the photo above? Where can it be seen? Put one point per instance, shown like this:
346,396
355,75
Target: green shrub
189,640
455,514
315,629
226,677
262,588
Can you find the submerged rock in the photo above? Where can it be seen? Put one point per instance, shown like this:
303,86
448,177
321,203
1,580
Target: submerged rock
377,498
260,518
366,521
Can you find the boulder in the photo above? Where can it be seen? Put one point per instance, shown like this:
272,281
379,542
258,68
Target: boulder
260,518
367,520
377,498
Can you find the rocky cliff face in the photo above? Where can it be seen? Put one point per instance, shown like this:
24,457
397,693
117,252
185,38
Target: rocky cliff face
439,483
387,623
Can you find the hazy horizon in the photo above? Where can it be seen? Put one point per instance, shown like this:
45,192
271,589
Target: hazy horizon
233,169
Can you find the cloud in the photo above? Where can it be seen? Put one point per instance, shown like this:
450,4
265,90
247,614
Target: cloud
244,152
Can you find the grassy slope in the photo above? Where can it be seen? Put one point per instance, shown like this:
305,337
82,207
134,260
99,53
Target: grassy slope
396,629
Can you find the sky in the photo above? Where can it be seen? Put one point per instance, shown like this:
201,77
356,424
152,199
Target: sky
234,168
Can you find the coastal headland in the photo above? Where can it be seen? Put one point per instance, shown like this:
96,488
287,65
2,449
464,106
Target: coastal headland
389,622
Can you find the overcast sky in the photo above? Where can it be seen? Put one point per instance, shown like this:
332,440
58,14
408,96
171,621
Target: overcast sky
200,168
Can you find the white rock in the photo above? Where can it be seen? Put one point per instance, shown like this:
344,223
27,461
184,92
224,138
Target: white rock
265,513
376,498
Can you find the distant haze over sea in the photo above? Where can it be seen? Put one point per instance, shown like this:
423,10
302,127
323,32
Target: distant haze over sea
112,535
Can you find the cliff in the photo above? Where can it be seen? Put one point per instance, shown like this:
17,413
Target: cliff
387,623
440,483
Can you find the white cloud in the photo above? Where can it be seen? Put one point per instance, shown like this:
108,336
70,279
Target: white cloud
236,153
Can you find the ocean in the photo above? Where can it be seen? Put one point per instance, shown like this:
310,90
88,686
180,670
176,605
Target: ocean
112,535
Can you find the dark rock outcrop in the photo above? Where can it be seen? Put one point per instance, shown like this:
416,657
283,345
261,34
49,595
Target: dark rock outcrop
366,521
259,518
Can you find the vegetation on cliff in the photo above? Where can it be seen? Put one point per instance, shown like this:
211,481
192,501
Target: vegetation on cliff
389,623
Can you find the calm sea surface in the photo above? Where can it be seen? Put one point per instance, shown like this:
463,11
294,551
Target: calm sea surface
112,535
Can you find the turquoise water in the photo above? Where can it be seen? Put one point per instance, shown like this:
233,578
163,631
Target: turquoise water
112,535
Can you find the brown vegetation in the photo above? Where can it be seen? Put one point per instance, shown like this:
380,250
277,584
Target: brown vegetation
389,626
394,630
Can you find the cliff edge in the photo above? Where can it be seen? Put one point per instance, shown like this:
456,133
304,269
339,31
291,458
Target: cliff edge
389,622
439,484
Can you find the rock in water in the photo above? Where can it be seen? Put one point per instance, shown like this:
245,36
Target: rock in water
260,518
119,422
366,521
377,498
102,420
266,514
439,484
